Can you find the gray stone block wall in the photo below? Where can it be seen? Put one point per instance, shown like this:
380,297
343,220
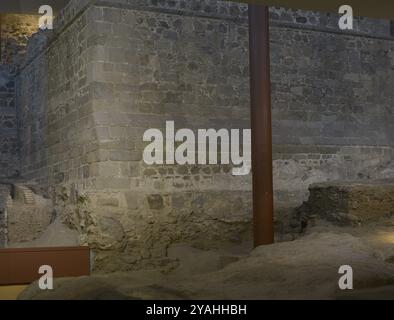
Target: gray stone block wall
9,156
15,30
53,100
119,68
4,194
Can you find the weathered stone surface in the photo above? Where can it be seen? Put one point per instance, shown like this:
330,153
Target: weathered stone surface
351,202
300,131
56,235
5,194
88,92
28,216
156,202
303,269
15,32
108,202
9,158
138,233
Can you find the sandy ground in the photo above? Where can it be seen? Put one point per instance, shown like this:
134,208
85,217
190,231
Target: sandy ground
306,268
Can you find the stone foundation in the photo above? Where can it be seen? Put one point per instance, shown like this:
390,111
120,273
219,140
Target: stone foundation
5,192
9,156
111,70
351,203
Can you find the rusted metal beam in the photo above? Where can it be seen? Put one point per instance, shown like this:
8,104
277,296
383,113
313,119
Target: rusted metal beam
260,85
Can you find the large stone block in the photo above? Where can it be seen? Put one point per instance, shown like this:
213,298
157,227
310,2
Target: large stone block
352,202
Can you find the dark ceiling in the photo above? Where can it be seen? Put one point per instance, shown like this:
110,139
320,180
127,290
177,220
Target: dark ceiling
30,6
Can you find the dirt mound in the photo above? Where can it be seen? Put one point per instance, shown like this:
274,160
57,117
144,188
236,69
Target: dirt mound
303,269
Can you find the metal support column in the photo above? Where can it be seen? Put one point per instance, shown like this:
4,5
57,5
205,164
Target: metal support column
260,81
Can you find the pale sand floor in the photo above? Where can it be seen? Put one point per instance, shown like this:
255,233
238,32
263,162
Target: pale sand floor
10,292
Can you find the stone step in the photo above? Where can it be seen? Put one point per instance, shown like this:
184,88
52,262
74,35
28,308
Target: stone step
25,195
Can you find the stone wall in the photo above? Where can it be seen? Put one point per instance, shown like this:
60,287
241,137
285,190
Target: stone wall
53,106
15,32
5,192
353,203
9,157
116,69
332,102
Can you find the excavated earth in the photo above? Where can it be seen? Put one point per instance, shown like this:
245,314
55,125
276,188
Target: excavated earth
339,228
306,268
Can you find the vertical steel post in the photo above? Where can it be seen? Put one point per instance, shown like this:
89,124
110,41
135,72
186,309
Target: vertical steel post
260,81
